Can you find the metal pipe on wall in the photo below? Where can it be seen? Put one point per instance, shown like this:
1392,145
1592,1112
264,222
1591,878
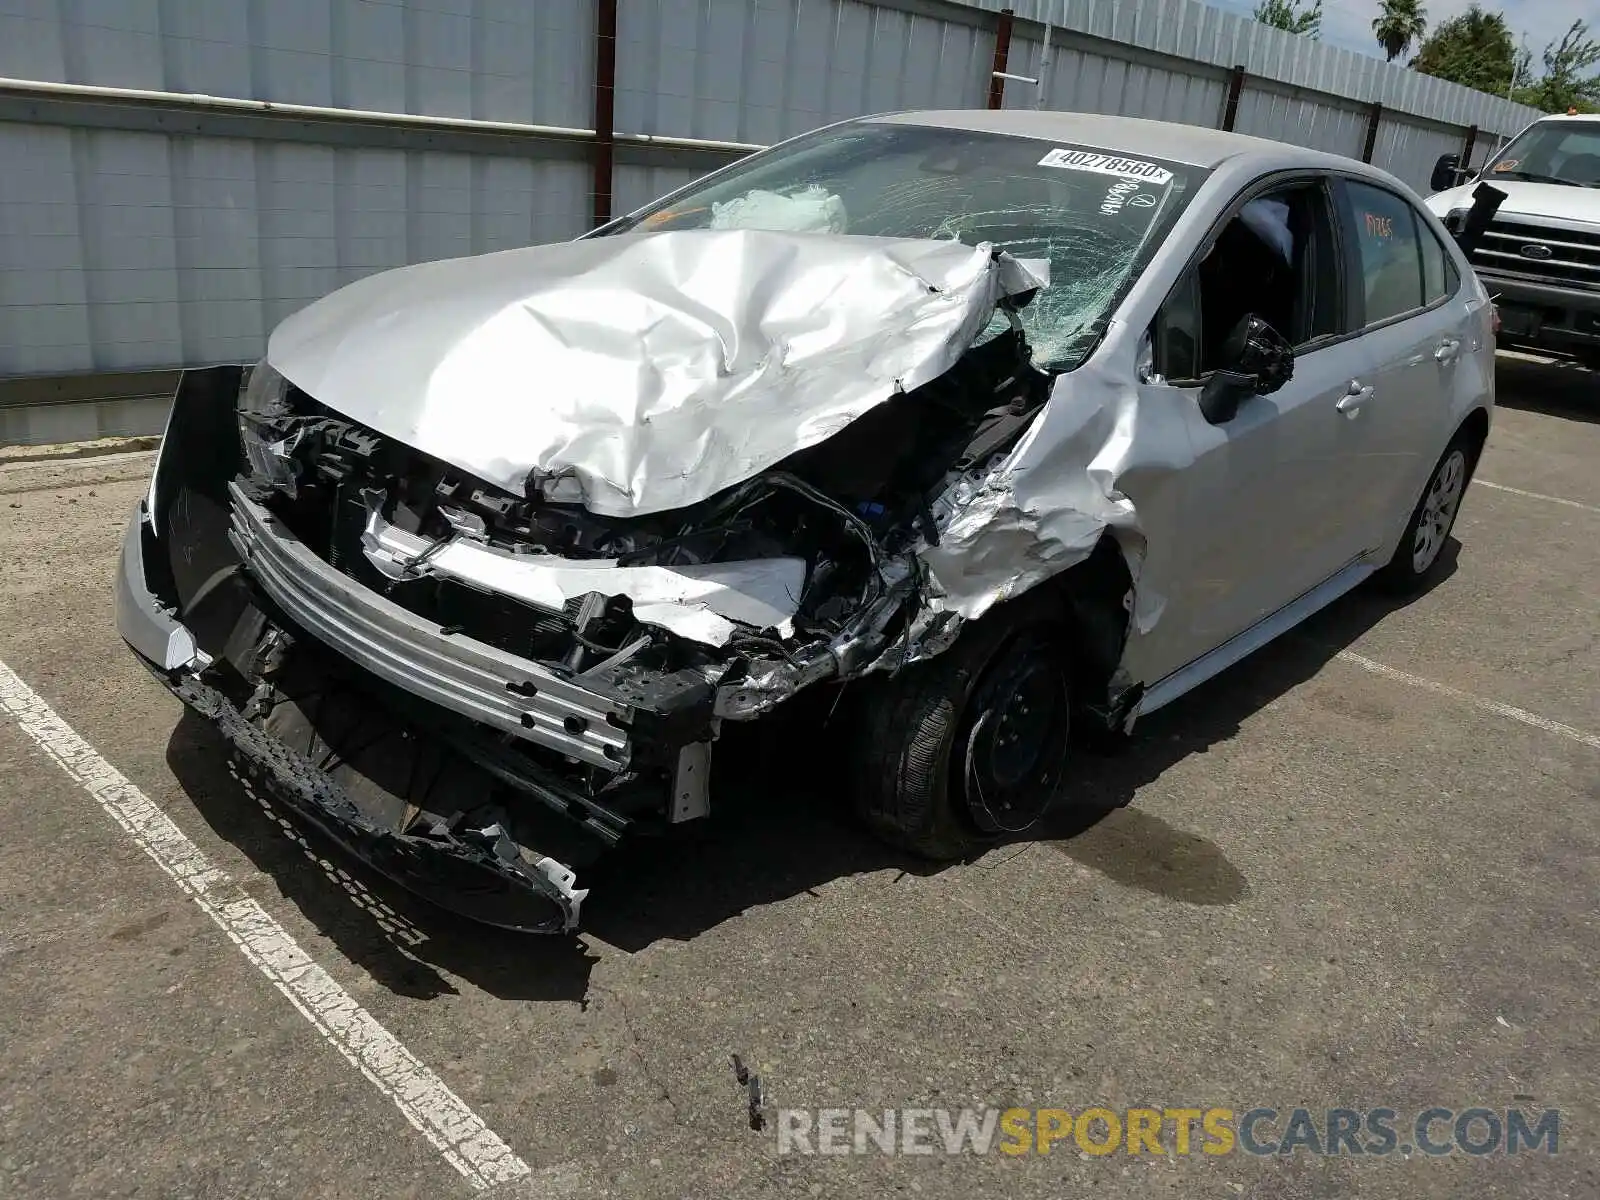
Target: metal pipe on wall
38,95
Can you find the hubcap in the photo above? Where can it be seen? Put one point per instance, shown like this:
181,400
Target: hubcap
1016,740
1438,510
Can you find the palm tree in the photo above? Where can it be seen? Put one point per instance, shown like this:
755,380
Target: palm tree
1399,23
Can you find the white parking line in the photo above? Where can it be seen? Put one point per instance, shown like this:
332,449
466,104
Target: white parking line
1492,706
1500,487
457,1132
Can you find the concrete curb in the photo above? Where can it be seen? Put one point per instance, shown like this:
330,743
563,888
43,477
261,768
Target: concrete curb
18,455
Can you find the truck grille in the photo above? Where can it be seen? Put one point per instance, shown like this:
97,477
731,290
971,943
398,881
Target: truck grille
1573,258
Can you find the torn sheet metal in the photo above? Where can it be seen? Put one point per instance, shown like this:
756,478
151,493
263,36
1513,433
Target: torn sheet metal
1015,521
1099,445
701,602
643,373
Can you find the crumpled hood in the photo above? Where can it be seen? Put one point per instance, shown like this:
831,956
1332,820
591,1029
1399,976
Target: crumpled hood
1526,199
643,372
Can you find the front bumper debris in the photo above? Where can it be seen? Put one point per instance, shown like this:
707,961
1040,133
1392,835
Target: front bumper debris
383,806
485,684
477,871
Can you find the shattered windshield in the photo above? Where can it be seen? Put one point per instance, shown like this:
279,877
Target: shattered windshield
1553,152
1095,214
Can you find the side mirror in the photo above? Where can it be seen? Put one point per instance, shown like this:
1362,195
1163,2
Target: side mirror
1258,360
1486,201
1447,172
1219,399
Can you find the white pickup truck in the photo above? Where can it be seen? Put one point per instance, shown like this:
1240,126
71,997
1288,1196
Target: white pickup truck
1539,256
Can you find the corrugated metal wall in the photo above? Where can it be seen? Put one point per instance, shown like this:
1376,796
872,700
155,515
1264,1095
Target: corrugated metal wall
504,60
1200,36
130,238
1303,118
123,250
764,71
1170,60
1083,79
1409,148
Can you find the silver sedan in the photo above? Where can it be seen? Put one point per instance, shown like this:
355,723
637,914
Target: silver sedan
1005,426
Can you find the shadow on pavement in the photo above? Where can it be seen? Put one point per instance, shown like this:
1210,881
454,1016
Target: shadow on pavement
1554,388
782,827
1140,850
406,944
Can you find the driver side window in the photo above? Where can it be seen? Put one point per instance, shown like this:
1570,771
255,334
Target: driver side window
1275,259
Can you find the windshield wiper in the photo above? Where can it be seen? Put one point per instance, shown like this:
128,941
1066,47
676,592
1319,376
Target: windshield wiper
1531,177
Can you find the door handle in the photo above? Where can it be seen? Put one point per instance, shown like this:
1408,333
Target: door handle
1350,403
1447,351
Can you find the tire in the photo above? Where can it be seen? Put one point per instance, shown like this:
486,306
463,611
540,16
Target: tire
1417,557
940,772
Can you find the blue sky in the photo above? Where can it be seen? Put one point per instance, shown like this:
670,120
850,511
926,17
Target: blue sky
1348,23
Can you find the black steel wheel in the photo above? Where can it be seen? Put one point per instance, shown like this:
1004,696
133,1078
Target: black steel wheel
970,745
1015,731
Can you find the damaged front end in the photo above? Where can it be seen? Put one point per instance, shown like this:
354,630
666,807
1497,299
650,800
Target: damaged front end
479,687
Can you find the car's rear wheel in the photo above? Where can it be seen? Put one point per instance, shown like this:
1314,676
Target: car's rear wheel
1416,560
969,746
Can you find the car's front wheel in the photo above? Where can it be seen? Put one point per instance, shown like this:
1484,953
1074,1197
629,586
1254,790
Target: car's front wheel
1421,547
968,746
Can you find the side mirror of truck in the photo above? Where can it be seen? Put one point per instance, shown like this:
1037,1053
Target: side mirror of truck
1447,172
1486,201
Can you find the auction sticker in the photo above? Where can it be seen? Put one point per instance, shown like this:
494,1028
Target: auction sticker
1106,164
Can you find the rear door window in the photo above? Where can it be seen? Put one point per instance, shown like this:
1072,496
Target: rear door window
1388,251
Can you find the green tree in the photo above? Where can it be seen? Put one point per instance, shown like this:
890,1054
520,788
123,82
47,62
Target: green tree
1474,49
1295,16
1569,81
1398,24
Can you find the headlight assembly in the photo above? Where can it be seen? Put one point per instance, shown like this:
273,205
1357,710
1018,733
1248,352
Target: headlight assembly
263,412
265,393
